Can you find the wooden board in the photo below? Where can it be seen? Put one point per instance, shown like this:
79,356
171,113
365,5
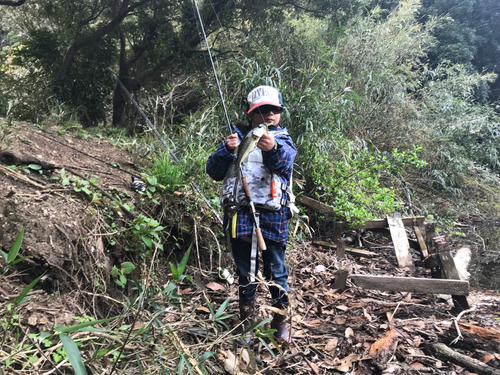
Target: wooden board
315,204
400,241
371,224
412,284
382,223
352,251
421,242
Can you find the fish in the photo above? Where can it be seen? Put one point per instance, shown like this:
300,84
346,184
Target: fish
246,146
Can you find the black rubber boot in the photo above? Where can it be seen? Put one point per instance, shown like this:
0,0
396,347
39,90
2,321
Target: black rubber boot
281,326
247,317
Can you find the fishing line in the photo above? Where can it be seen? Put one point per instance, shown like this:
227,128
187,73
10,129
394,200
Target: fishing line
193,184
213,67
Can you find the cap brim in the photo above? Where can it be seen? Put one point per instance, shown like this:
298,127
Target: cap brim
265,103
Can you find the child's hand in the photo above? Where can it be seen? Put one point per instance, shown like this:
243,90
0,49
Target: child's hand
232,141
266,142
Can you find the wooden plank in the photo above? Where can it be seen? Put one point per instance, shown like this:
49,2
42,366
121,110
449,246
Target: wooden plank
315,204
400,241
371,224
448,264
450,272
411,284
382,223
421,242
352,251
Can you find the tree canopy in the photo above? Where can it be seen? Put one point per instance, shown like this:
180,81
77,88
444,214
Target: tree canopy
381,94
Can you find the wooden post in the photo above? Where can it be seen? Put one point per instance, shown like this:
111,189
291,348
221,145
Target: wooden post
450,271
420,238
342,274
430,233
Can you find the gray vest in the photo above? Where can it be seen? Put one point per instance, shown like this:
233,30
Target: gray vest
267,190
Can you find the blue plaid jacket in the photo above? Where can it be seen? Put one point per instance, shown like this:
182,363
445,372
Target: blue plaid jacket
273,224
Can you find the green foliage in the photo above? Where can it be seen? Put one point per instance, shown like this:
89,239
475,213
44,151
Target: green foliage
146,235
350,179
119,274
170,291
73,353
167,173
10,257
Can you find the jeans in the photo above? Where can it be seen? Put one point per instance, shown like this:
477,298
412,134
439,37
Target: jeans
274,270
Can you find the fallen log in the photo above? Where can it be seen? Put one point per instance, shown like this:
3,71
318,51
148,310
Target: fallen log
444,353
411,284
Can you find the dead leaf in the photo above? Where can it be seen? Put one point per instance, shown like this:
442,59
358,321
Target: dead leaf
390,318
488,357
416,365
331,344
342,307
384,343
366,315
32,320
483,333
346,363
203,308
349,332
438,329
43,320
314,367
356,304
314,323
273,309
137,325
215,286
340,320
106,362
185,291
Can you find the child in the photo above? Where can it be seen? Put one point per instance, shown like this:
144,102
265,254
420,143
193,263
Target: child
268,172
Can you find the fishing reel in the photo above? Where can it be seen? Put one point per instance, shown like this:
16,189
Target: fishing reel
138,185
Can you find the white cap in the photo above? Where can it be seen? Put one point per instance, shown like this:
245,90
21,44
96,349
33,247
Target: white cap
263,95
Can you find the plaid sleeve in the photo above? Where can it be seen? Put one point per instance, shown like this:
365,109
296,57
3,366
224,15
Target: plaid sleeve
280,159
218,163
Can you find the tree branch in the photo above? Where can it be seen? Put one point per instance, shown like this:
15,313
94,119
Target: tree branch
97,35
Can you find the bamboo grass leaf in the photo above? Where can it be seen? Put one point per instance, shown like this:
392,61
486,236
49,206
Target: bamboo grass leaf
74,355
14,250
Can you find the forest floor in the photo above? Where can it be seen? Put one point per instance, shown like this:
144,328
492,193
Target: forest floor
74,240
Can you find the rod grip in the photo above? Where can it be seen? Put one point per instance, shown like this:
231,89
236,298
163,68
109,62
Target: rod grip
260,240
246,187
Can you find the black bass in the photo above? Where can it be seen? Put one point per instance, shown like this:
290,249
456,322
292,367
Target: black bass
246,146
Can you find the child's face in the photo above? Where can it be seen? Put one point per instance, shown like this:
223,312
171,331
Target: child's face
272,115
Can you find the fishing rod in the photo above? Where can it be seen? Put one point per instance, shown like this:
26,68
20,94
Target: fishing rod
193,184
246,188
213,67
